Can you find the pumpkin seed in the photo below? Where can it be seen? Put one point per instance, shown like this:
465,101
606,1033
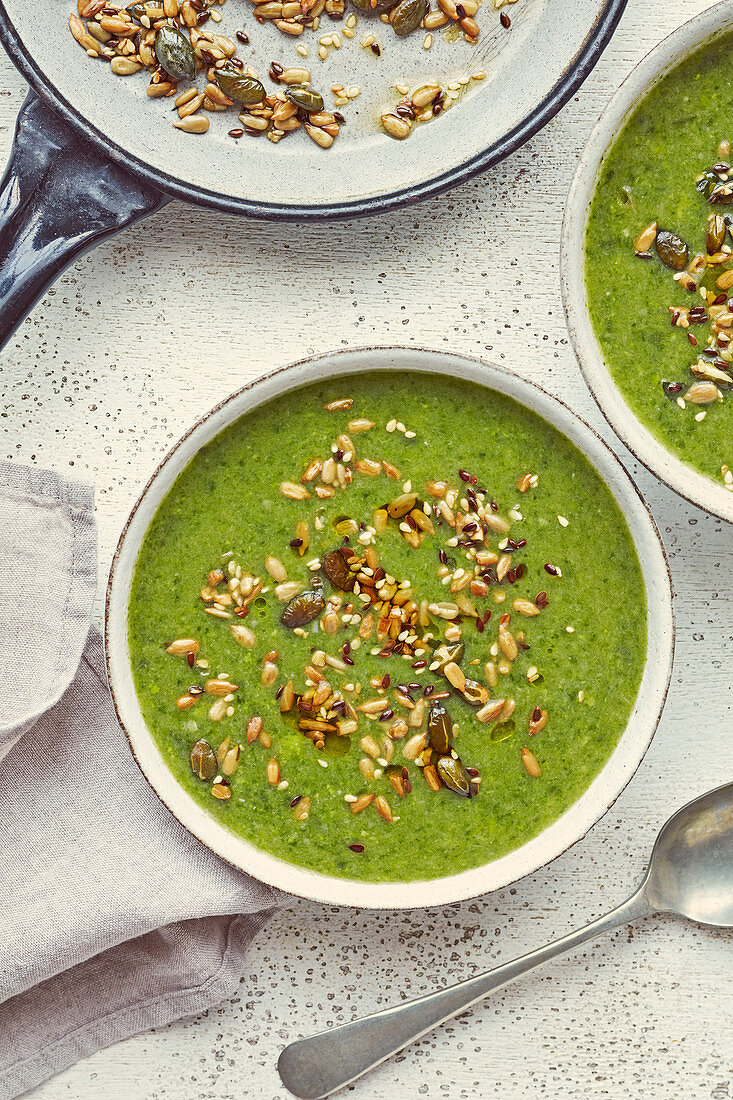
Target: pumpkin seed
721,193
302,609
244,89
408,16
175,53
716,232
503,730
445,654
475,693
671,249
304,97
336,568
705,370
203,760
440,729
454,775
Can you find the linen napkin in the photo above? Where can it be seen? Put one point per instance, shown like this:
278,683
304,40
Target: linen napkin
115,919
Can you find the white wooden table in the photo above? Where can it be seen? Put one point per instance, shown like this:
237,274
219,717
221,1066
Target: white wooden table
146,332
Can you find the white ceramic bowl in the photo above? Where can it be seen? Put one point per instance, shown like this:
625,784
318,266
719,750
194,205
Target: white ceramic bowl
686,481
577,819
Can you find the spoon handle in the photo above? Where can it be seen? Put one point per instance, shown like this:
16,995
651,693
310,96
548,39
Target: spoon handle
315,1067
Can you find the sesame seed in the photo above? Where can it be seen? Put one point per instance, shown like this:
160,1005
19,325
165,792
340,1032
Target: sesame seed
562,521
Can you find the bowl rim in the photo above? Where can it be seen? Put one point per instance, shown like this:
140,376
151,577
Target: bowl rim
550,842
679,476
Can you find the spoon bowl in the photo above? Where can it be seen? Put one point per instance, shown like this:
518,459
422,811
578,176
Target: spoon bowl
691,869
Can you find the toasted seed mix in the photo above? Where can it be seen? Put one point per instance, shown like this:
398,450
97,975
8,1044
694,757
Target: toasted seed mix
352,601
172,43
713,316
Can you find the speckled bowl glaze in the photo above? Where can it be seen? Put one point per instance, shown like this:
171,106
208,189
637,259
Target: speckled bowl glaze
686,481
557,45
576,821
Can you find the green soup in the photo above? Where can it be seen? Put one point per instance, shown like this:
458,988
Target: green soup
463,637
664,330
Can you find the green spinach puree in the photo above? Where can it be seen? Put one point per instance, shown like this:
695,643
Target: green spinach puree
337,560
657,254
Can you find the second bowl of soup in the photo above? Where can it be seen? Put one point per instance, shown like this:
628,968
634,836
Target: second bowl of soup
648,262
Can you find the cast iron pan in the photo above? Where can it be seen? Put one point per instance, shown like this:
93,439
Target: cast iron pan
93,153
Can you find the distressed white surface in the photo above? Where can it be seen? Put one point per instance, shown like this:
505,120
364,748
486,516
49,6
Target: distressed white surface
149,330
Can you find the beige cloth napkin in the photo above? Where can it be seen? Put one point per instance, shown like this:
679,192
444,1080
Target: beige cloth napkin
115,919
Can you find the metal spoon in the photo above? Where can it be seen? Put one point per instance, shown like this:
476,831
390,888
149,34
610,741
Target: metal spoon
690,874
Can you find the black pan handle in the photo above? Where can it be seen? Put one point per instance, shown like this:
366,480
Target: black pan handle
58,198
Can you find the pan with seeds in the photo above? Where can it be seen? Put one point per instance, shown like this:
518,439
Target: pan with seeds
235,105
407,711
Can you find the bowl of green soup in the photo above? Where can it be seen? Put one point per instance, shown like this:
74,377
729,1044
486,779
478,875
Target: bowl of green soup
389,628
647,261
